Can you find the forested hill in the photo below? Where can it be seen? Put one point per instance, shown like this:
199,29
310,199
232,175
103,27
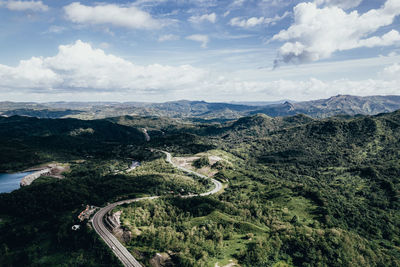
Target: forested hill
299,191
348,167
17,126
337,141
27,141
333,141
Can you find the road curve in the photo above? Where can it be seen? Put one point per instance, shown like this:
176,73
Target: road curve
119,250
218,185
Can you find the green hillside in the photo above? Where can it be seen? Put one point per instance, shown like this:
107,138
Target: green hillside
298,191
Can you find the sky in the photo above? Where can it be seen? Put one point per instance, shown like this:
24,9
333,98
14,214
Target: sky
212,50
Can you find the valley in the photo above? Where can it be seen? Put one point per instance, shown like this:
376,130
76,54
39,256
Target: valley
297,190
200,133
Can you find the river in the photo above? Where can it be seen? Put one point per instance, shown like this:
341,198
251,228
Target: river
10,182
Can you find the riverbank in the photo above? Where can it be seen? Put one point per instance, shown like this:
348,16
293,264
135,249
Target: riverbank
11,181
53,170
27,180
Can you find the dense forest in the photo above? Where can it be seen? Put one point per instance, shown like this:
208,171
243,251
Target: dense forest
298,191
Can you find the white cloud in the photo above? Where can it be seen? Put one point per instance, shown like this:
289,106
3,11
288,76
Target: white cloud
254,21
168,37
266,5
203,39
345,4
79,66
79,70
238,3
387,39
300,90
218,88
391,72
392,69
29,73
206,17
112,14
56,29
24,5
319,32
149,2
246,23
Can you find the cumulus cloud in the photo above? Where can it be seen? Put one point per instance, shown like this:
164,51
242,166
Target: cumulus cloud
344,4
24,5
391,72
387,39
206,17
29,73
203,39
392,69
111,14
311,88
78,69
80,66
256,21
319,32
322,89
168,37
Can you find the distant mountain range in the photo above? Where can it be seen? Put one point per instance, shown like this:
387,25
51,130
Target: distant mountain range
336,105
261,103
201,110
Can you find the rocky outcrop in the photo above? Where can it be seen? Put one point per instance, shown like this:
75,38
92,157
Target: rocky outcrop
113,222
53,170
27,180
146,135
161,260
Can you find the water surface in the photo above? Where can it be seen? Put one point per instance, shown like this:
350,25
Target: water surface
10,182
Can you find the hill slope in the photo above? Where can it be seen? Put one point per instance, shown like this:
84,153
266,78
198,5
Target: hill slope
341,104
299,191
26,141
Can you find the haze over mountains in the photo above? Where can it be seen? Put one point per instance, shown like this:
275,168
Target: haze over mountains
336,105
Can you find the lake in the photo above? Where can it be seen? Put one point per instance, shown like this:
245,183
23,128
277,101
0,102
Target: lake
10,182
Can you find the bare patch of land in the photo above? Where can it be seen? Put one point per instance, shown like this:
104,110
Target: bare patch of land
230,264
55,170
187,163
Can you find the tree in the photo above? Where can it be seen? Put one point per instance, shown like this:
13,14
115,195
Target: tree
201,162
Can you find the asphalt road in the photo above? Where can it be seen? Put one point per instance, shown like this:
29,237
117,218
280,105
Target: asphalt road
119,250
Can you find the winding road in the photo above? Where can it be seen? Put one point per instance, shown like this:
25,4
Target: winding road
119,250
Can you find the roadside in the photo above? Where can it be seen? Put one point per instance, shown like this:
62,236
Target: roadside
118,249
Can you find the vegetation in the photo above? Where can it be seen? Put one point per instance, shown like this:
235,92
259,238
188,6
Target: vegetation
201,162
300,191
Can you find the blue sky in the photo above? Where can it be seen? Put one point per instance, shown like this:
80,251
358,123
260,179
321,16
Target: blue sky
162,50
